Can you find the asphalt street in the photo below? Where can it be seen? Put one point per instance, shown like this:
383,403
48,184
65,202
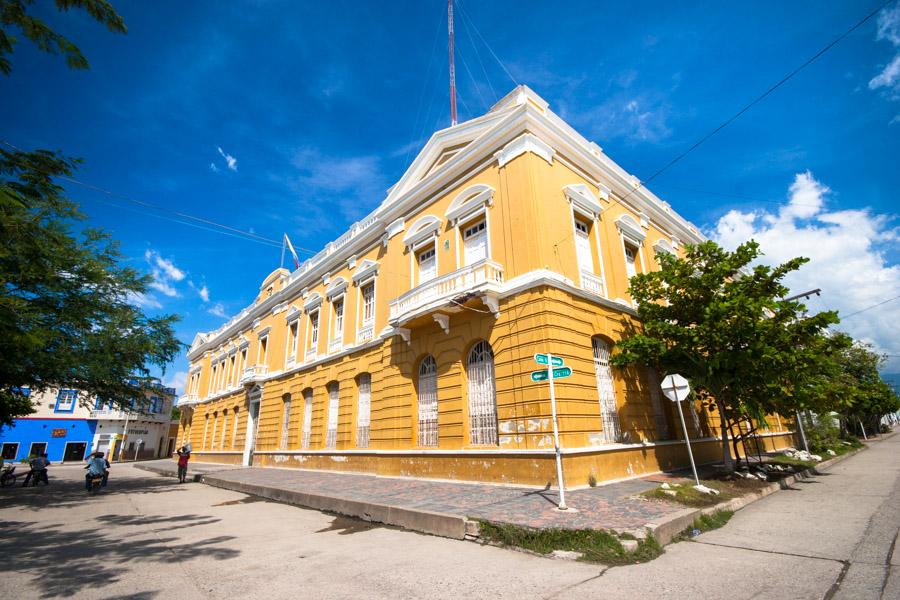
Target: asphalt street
146,536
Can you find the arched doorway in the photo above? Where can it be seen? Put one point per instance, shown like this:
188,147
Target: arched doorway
482,395
254,396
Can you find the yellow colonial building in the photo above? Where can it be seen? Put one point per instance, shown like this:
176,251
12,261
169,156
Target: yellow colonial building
405,346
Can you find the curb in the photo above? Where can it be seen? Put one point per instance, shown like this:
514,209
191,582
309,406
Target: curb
434,523
666,529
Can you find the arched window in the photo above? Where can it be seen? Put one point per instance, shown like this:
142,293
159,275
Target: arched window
606,390
428,402
285,420
482,395
215,420
363,410
307,417
224,428
205,431
333,408
234,427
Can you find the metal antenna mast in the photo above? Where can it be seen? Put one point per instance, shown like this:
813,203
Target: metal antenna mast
452,66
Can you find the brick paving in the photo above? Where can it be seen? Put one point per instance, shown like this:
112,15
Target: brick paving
611,506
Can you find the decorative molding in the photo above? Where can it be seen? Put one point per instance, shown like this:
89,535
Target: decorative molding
395,227
442,320
522,144
313,302
293,314
583,199
493,304
351,262
645,220
338,286
426,227
469,200
365,270
630,229
663,245
263,332
326,278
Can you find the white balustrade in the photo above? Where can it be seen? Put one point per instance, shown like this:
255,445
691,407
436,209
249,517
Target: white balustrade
484,272
592,283
253,373
365,333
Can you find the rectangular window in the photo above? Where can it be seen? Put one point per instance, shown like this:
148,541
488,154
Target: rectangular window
234,430
333,408
37,448
233,359
475,242
427,265
292,348
368,296
215,428
224,429
630,261
307,417
263,343
65,401
243,364
285,422
213,379
338,319
313,329
10,450
363,411
583,247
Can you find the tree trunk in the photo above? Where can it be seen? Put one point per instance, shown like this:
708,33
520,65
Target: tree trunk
726,450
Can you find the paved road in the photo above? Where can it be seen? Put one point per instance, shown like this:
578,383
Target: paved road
149,537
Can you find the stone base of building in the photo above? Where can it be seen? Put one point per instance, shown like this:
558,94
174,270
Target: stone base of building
532,468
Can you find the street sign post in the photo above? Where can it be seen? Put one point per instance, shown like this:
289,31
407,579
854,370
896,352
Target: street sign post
544,359
676,388
549,374
558,373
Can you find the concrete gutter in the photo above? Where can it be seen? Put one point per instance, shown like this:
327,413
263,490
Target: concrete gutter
664,530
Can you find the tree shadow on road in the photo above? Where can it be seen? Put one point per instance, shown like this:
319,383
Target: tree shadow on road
64,563
62,493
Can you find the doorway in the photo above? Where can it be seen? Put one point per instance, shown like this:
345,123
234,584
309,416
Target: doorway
74,451
253,400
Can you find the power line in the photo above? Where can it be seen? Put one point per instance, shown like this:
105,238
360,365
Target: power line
466,16
233,231
735,196
869,307
759,98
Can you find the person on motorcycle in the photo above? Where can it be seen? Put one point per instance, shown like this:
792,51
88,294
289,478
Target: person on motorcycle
38,470
97,466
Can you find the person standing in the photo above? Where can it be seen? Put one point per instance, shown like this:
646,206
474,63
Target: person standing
184,455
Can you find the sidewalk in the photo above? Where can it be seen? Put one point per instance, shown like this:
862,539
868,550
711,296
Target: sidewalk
437,507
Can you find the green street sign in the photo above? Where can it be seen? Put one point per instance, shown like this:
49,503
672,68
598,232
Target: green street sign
541,359
558,373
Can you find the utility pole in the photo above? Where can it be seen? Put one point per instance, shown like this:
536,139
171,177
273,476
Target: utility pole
452,66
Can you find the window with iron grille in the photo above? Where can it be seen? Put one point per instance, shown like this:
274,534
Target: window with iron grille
285,420
234,430
606,390
333,408
307,418
215,426
363,410
428,403
482,395
224,429
659,412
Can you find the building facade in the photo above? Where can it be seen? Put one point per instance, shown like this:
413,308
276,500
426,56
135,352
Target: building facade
68,426
405,346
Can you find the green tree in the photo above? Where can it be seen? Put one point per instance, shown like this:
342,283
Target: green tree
68,317
722,323
869,397
14,16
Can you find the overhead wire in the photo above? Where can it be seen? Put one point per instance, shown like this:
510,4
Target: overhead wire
480,62
437,32
466,16
868,308
759,98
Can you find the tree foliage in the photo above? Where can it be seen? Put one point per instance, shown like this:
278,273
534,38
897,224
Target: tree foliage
68,317
14,16
723,324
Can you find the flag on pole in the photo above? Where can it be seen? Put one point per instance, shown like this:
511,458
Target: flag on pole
293,252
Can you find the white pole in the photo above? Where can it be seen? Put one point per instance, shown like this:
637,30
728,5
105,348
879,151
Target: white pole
124,433
687,440
861,426
559,471
802,433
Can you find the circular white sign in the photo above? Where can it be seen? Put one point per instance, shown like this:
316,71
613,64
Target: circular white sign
675,387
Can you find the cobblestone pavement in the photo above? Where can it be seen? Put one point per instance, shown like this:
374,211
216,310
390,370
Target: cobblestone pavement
613,506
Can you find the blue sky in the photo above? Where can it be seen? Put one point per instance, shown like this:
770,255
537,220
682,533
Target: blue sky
296,117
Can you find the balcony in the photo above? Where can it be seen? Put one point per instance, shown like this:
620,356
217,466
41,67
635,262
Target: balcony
365,333
335,346
254,374
592,283
311,354
186,399
121,415
483,276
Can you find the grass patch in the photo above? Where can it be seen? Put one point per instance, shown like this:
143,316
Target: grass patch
686,494
705,523
595,545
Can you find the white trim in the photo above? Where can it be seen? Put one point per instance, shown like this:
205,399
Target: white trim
583,200
395,227
337,288
312,303
422,231
524,143
663,245
631,230
471,199
365,269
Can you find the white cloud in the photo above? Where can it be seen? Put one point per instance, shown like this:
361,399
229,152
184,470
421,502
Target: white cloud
888,80
164,288
213,167
143,300
229,159
176,380
217,310
848,257
204,293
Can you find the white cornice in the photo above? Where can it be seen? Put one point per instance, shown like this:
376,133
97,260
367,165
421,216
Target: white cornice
582,197
521,145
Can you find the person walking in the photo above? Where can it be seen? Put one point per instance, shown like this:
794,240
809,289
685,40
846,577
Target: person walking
184,455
